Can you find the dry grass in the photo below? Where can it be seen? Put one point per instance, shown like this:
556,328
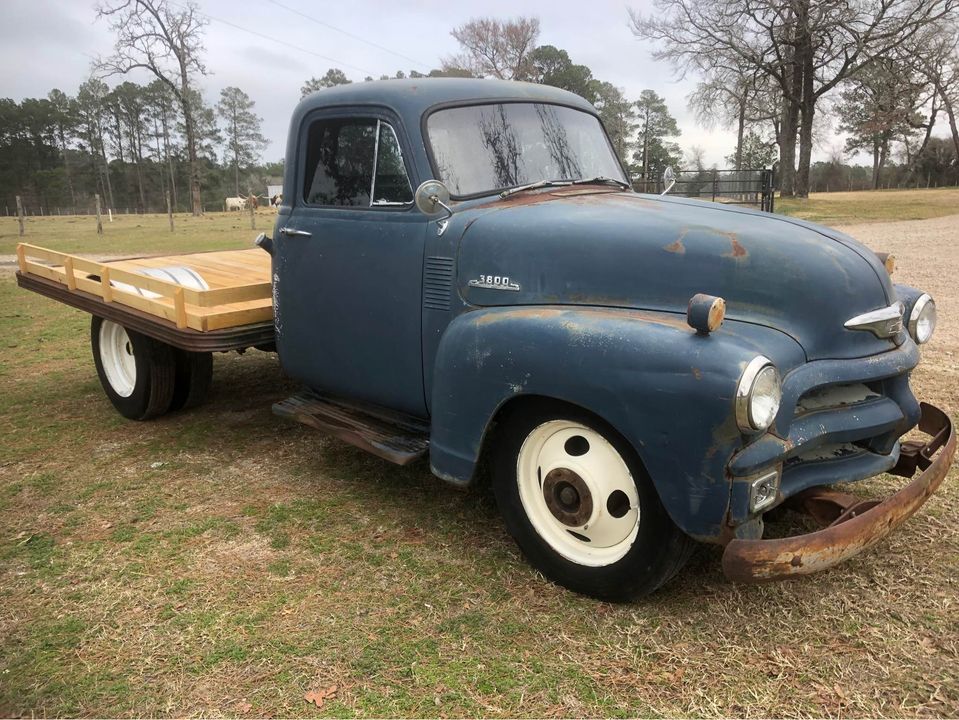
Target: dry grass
223,562
844,208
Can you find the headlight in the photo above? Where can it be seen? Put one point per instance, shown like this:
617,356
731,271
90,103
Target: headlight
758,395
922,319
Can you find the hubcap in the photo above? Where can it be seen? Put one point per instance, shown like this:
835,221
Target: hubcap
578,493
116,356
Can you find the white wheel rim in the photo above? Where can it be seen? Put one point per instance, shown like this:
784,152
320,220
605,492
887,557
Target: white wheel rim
561,455
116,356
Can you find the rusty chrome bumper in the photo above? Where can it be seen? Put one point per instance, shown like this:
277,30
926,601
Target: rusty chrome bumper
852,524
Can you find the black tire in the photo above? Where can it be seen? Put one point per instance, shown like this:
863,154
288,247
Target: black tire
155,373
659,551
194,375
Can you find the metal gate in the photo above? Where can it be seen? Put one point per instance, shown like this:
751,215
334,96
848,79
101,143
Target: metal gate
733,187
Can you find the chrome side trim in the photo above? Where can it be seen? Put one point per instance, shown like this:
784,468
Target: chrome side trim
883,323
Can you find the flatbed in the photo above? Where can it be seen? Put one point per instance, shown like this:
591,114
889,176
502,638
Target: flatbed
234,311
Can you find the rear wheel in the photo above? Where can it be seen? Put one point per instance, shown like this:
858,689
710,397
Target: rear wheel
194,375
577,501
136,372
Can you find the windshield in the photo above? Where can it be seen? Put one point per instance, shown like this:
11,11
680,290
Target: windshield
484,148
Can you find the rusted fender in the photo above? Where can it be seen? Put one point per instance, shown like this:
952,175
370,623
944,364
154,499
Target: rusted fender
851,533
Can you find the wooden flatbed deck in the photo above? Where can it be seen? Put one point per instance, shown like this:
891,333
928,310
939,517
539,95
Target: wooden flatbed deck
236,311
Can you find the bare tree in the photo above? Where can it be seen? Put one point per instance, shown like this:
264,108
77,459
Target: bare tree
935,56
807,47
165,39
734,95
497,48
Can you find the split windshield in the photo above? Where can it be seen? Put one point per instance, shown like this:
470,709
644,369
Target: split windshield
481,149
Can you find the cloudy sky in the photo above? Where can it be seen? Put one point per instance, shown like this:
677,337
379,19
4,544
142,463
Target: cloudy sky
269,51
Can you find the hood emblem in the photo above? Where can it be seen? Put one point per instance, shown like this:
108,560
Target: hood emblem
883,323
495,282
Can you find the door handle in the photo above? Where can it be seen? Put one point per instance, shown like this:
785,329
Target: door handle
293,232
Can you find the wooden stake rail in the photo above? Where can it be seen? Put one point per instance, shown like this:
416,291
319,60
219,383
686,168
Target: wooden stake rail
240,291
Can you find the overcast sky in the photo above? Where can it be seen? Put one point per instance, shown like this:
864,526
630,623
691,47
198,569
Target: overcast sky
269,52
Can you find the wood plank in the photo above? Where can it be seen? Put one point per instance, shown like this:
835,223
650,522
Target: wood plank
240,284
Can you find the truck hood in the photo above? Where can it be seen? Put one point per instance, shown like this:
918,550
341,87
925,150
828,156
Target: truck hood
583,246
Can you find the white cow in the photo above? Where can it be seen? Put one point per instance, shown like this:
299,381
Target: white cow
234,203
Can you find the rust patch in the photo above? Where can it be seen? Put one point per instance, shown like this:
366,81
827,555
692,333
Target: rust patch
676,247
855,525
736,250
697,373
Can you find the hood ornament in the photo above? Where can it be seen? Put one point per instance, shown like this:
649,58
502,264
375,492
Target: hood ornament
883,323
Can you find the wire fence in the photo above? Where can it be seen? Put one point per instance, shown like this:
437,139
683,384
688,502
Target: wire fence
752,188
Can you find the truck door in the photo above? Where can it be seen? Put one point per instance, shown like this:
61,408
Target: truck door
348,266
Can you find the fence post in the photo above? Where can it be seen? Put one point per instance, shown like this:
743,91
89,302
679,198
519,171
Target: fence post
20,214
250,201
715,181
99,220
169,210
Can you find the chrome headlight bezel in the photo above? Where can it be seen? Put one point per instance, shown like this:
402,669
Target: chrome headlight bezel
760,368
924,305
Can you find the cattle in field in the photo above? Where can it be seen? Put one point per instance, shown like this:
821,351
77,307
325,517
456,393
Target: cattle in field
234,203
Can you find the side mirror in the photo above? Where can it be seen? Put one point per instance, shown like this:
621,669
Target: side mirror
669,179
432,197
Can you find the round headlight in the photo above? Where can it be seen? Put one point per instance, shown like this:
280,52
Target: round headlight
758,395
922,319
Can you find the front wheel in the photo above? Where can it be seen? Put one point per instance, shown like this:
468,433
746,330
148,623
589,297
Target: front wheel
576,499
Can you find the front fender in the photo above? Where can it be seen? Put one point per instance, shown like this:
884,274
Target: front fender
665,388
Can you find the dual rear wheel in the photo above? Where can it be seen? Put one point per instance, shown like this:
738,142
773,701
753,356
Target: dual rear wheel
145,378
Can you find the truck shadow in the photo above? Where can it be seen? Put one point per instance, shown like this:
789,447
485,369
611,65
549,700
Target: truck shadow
421,510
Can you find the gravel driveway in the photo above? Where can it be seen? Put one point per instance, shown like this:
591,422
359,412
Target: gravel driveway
927,257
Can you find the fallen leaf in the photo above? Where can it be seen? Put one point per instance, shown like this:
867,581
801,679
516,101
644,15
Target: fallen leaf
319,697
244,707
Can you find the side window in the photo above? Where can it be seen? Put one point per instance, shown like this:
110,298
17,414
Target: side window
354,162
392,186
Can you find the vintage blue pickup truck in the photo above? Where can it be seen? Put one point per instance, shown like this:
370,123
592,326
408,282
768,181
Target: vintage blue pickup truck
460,268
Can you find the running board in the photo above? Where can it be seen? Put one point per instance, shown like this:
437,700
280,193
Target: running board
394,437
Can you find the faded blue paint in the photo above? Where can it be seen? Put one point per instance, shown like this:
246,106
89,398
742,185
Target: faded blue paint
377,306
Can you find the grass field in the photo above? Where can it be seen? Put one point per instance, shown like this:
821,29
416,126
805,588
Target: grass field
844,208
224,562
137,233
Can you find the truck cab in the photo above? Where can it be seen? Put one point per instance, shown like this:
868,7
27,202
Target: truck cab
461,270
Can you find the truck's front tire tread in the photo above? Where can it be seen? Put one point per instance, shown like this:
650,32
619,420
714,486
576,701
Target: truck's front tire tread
659,550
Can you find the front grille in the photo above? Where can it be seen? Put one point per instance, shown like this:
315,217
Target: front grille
834,396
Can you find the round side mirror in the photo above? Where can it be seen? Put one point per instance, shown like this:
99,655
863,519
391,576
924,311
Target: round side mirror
432,197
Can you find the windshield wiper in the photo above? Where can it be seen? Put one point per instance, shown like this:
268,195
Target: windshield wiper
534,185
602,180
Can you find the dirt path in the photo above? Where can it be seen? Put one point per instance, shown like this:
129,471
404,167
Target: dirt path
927,257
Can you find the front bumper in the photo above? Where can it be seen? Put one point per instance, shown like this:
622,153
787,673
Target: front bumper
853,524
